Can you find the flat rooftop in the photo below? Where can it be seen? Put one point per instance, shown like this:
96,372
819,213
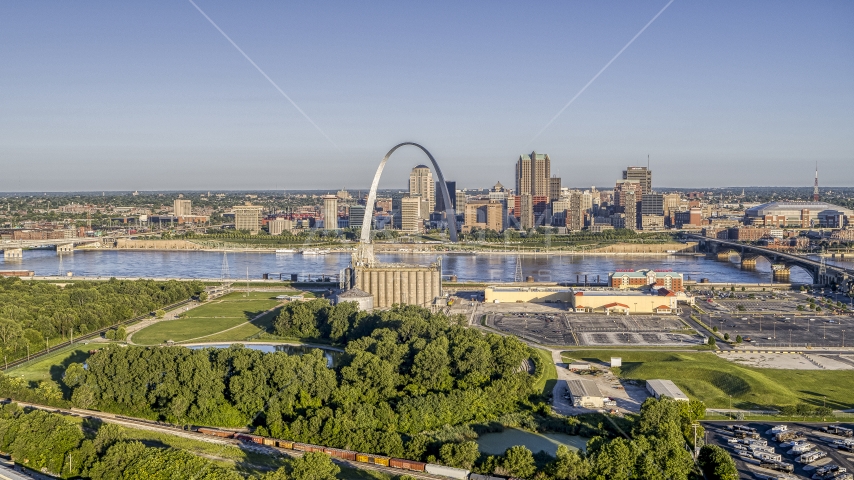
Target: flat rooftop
666,388
615,292
583,388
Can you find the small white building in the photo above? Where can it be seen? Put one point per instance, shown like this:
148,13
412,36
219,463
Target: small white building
616,362
585,393
665,388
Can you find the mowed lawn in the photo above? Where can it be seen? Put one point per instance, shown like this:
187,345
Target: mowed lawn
52,366
713,380
214,317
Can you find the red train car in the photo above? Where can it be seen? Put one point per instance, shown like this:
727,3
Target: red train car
407,464
216,433
338,453
249,438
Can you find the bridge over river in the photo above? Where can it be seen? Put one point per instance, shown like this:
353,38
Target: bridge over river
781,263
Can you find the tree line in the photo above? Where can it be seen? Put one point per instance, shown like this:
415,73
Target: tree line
31,312
51,443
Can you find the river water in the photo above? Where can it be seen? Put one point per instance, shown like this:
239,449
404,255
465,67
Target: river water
477,268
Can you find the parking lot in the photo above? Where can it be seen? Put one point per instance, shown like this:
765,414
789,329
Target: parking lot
786,330
717,434
556,326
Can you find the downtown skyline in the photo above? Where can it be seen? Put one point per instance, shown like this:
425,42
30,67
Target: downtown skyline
108,97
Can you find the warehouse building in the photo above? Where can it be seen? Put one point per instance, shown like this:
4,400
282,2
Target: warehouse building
665,388
585,393
595,300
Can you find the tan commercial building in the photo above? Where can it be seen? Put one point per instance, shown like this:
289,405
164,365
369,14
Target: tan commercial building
603,300
280,225
411,220
533,175
248,217
183,208
484,214
421,185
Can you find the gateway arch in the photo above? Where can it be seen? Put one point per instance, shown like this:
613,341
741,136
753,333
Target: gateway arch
396,284
365,251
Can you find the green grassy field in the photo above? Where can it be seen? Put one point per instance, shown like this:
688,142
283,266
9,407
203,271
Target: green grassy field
706,377
214,317
52,366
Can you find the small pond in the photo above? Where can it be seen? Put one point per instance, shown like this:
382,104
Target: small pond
498,443
333,357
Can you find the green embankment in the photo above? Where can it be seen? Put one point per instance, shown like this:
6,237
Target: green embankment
52,365
546,382
209,320
713,380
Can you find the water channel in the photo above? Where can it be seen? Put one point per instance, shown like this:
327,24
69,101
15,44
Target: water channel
498,443
467,267
333,357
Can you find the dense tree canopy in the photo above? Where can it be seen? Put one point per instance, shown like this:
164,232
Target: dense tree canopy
32,311
405,371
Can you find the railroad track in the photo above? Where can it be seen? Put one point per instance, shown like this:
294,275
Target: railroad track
86,336
181,432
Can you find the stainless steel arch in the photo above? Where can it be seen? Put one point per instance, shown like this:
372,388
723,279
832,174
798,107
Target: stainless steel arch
372,196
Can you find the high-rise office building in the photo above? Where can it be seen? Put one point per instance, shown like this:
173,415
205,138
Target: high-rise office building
526,211
554,189
630,208
652,204
623,188
533,175
440,198
461,201
247,217
642,175
575,212
330,212
421,184
183,208
357,216
411,220
484,214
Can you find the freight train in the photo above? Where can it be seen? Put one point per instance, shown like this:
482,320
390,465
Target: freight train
349,455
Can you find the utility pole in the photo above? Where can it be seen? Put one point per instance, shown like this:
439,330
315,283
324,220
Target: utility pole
696,450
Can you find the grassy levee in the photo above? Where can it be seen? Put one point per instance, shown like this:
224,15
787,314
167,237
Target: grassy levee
547,379
214,317
705,376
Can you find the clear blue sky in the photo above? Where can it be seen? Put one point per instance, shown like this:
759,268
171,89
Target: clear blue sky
149,96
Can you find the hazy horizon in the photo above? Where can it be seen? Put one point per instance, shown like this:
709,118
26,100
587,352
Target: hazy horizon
100,96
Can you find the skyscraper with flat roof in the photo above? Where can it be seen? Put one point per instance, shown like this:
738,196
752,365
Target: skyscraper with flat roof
330,212
421,184
642,175
440,199
247,217
411,220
